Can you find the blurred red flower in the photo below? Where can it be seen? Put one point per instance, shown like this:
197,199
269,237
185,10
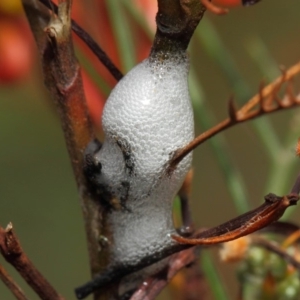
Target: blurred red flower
17,46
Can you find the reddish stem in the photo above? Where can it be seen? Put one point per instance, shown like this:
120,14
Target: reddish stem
12,251
11,284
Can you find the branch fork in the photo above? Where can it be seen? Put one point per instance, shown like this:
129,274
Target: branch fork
12,251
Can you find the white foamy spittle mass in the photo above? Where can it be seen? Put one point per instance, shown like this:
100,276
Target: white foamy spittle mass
149,116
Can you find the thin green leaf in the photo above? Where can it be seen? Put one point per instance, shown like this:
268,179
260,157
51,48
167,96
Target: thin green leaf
122,34
279,179
93,73
215,282
138,18
262,57
218,52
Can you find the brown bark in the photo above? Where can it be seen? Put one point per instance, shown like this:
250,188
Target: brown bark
12,251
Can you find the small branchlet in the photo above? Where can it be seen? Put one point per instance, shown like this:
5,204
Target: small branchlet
11,284
272,247
282,227
158,281
266,101
13,253
250,222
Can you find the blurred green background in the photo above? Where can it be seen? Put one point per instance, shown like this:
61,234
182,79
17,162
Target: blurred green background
37,189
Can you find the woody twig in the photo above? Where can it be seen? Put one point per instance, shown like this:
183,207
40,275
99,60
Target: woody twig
13,253
158,281
272,247
266,101
250,222
11,284
63,79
